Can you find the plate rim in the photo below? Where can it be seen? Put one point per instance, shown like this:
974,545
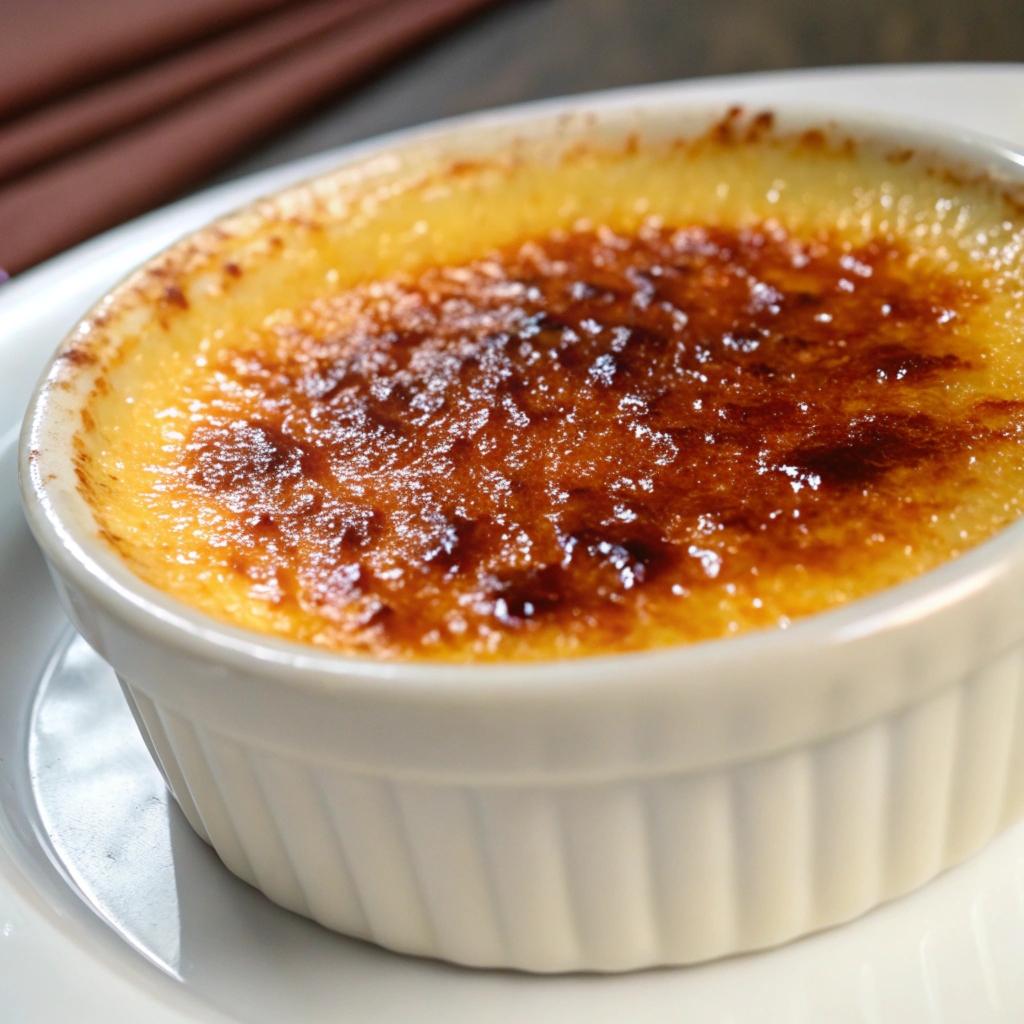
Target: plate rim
93,257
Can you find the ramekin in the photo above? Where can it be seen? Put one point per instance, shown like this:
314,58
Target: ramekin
596,814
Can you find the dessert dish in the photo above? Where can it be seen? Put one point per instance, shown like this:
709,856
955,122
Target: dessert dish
611,399
466,712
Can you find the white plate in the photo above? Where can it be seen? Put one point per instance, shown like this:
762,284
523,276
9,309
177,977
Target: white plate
112,910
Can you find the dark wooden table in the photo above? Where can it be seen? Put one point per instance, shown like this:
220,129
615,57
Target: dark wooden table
528,49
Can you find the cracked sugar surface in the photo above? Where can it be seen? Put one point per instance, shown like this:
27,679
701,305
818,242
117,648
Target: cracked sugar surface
638,399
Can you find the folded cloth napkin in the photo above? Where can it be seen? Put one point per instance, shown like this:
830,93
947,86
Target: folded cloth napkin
110,107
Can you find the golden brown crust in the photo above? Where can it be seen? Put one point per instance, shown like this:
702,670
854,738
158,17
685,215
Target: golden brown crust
552,449
576,433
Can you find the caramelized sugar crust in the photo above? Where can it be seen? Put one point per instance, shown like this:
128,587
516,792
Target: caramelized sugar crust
582,442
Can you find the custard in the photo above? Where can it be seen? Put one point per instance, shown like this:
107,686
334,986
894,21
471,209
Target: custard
531,406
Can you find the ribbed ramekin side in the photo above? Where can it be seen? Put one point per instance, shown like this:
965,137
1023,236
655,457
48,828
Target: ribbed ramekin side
1012,809
612,874
168,759
985,768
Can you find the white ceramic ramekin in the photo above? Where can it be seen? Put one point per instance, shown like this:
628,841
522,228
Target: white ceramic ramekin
597,814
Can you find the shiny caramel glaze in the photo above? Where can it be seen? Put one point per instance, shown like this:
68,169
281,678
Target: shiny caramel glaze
522,411
584,431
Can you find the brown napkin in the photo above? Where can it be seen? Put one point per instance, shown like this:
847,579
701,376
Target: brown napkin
113,106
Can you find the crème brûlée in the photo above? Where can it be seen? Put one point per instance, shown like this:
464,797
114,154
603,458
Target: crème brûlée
533,406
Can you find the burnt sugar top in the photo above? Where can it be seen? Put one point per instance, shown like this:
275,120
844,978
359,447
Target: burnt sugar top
601,434
580,433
